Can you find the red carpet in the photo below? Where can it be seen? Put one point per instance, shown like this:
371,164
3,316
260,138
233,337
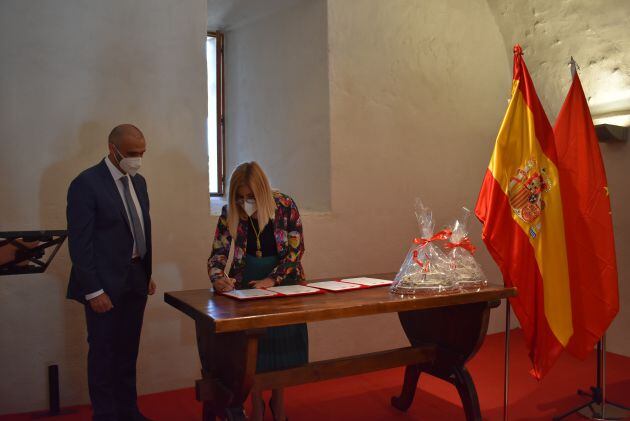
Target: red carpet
366,397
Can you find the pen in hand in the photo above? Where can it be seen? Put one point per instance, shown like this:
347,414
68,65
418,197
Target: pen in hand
225,283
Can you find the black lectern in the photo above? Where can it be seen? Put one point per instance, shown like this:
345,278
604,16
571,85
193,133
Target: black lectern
24,252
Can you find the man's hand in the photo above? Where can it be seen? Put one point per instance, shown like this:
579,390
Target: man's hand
101,303
224,284
263,283
152,287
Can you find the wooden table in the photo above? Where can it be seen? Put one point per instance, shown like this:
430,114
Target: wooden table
445,331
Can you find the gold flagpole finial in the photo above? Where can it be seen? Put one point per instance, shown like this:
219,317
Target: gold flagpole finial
574,67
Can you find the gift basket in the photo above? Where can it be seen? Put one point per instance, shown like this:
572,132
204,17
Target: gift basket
466,271
426,269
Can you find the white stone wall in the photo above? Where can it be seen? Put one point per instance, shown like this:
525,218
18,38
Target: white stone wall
69,72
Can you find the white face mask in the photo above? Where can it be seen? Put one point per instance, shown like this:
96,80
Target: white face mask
129,165
249,207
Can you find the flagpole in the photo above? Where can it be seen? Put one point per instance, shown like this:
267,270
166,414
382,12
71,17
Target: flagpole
574,67
506,370
602,375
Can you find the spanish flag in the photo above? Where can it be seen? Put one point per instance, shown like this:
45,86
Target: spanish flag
520,206
588,223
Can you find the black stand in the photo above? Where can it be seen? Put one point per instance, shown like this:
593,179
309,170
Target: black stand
28,250
30,259
598,408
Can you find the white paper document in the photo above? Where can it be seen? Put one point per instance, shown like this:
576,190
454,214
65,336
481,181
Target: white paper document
293,290
369,282
334,285
244,294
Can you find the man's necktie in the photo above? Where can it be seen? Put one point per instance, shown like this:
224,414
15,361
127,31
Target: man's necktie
136,227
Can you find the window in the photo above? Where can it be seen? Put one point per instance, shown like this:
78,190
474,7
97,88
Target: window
216,116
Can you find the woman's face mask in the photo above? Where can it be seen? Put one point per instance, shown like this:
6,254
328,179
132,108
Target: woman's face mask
246,199
249,206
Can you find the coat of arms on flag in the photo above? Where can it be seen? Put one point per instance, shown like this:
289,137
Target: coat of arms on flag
525,192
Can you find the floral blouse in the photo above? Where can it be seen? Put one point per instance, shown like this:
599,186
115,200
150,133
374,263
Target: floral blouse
289,241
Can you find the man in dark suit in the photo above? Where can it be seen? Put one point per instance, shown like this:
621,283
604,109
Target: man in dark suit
109,237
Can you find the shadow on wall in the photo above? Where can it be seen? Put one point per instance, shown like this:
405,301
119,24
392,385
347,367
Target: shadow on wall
181,230
92,146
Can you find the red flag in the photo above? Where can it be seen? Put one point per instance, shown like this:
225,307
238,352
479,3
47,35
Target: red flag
588,223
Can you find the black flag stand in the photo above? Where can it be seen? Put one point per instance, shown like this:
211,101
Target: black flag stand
599,408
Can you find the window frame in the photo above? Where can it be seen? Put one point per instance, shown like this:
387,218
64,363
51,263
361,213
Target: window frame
220,95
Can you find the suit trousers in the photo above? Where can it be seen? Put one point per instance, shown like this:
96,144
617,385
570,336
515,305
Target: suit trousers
114,339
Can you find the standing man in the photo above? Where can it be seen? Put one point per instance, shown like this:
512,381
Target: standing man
109,237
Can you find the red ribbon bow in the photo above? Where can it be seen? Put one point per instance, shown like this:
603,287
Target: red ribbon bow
465,244
422,242
442,235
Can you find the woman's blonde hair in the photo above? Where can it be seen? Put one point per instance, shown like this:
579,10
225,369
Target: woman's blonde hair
250,174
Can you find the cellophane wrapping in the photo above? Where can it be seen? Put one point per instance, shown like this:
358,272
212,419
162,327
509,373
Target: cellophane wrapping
466,272
426,269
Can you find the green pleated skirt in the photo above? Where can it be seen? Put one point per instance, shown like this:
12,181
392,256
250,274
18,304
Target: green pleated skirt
283,346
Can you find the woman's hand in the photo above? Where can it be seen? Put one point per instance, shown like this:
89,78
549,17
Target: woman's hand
263,283
224,284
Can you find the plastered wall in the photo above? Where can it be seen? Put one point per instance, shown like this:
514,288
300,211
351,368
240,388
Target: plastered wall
277,100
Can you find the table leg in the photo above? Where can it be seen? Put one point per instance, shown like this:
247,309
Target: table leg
228,366
458,332
410,384
467,393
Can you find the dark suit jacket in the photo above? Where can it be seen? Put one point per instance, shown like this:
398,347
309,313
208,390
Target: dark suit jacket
99,235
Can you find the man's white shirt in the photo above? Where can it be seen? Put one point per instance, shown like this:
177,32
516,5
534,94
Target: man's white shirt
117,175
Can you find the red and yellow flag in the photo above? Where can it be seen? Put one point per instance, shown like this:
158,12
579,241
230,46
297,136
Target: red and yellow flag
520,206
587,222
